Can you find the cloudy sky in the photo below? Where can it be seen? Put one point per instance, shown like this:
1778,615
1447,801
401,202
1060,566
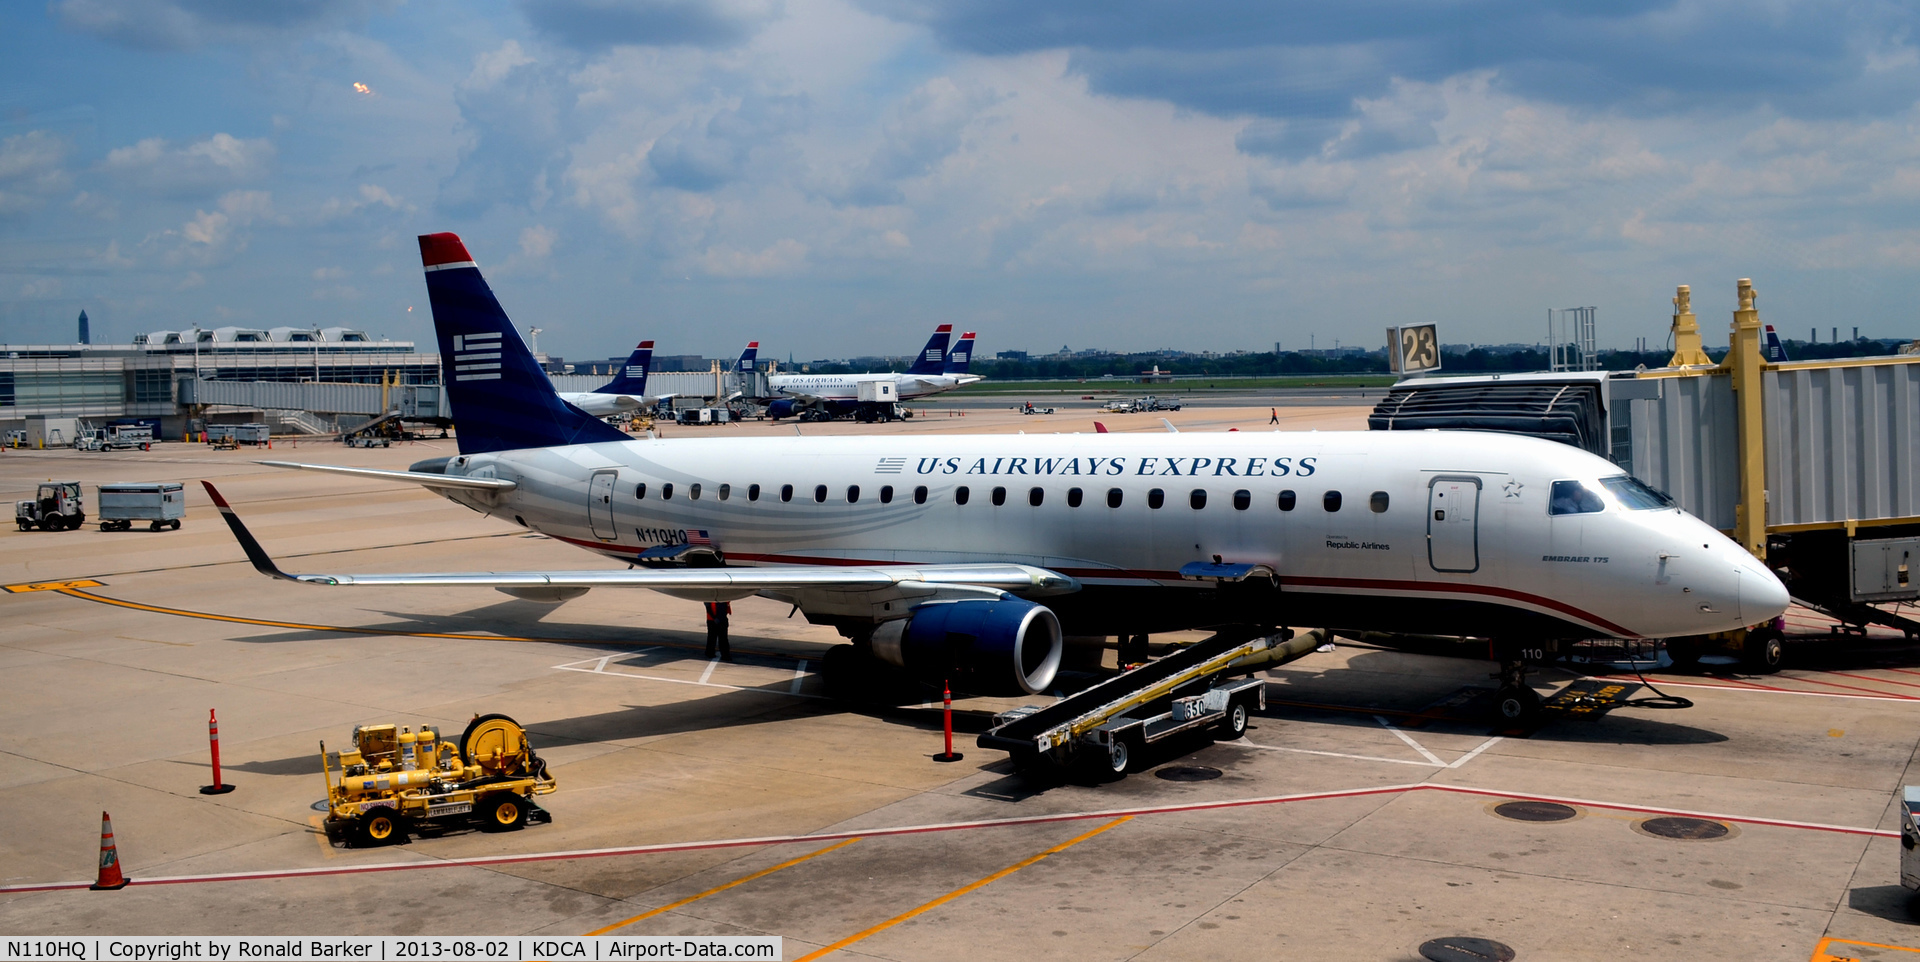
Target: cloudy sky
834,176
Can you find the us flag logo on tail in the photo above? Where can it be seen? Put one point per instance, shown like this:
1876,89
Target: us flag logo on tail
474,354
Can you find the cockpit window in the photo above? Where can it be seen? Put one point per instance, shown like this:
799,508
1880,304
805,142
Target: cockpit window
1574,497
1635,495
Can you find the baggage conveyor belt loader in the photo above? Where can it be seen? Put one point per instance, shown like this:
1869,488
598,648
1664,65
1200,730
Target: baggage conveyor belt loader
1103,730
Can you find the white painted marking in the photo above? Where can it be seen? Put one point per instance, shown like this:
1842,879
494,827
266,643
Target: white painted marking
1470,756
1664,683
711,665
600,668
799,675
1360,758
1416,746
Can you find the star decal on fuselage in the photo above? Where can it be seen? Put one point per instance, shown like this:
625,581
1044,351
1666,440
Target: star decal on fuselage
1513,489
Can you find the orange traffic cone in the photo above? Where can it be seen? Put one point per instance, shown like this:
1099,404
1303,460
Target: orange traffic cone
110,875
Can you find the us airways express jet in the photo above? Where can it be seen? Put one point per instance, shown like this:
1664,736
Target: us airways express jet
933,372
974,554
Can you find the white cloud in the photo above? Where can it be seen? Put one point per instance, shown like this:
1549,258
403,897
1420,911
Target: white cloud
536,242
30,170
198,169
784,256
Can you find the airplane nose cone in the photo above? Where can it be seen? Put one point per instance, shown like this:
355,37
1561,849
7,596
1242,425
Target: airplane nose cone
1762,596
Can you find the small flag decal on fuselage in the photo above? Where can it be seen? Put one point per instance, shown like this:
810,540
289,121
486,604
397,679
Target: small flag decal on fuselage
474,354
890,466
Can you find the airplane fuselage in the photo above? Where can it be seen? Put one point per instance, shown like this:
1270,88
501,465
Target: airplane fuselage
1443,533
846,387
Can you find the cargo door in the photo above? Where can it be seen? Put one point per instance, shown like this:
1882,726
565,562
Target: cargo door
600,505
1453,526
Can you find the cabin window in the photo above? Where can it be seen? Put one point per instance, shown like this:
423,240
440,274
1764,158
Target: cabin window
999,496
819,494
1242,499
1198,498
725,489
1377,502
886,494
1286,501
693,491
1574,497
1114,497
786,493
920,494
1073,497
753,492
853,493
666,491
1156,498
1036,495
960,494
1330,501
640,491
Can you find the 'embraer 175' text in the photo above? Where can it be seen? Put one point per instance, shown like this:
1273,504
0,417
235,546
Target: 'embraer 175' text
1182,467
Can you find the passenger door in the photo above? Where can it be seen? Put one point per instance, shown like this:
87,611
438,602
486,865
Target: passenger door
1453,529
600,505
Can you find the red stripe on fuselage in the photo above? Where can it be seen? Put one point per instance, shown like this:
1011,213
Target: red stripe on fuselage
1129,574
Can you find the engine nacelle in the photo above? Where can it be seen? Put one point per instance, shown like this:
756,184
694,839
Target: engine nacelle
781,408
1008,647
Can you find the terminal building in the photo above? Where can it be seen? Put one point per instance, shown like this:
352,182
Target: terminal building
303,380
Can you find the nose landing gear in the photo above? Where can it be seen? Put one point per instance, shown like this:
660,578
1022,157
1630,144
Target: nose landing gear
1515,702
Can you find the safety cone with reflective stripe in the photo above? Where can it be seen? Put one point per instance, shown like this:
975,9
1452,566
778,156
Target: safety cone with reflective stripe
110,875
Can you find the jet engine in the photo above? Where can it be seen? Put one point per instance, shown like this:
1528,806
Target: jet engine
781,408
1007,647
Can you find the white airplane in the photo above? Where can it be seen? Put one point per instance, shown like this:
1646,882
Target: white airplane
626,392
933,372
971,556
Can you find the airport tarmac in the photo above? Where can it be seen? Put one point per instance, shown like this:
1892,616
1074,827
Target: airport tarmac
1361,817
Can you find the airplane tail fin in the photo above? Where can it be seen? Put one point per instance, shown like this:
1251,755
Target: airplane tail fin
747,358
961,355
501,399
1775,350
633,377
1099,428
933,357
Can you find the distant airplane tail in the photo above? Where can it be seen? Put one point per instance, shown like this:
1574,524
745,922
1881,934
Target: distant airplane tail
500,397
1776,351
747,358
961,355
632,378
933,357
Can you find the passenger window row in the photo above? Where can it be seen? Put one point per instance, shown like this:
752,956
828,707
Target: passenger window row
1156,497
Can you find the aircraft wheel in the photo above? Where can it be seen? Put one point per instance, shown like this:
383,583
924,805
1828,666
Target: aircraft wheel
1517,704
1764,651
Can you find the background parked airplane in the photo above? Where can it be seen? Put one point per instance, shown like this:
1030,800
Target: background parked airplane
626,392
837,395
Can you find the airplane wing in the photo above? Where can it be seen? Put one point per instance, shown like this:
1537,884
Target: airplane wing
412,477
902,580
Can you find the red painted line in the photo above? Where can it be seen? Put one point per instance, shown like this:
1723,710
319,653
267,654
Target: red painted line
1835,684
487,861
1883,681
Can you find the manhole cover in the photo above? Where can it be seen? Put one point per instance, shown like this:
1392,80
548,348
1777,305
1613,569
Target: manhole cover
1187,773
1686,829
1535,811
1461,948
322,806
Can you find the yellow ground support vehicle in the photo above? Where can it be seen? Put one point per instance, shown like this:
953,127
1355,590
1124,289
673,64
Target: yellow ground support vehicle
394,781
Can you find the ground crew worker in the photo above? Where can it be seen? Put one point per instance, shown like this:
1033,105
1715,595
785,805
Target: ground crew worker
1275,419
717,612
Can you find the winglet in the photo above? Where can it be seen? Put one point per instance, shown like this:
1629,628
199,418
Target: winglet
1170,428
1099,428
248,542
